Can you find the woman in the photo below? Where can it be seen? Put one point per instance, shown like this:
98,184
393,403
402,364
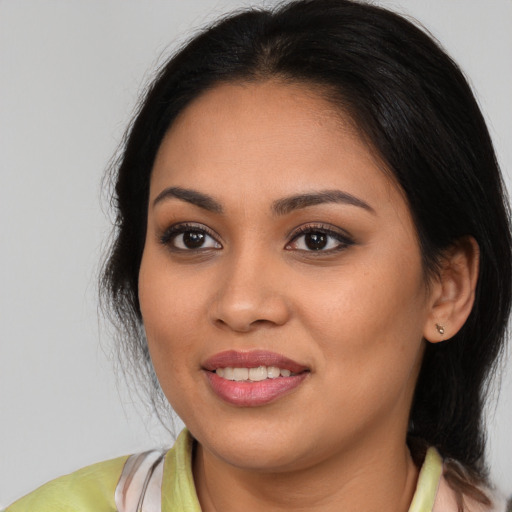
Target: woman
313,253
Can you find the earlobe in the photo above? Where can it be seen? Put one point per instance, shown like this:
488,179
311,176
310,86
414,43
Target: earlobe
453,291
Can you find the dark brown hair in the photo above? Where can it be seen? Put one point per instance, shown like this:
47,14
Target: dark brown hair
416,109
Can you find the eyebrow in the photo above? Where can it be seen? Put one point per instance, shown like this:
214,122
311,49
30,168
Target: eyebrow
190,196
280,207
299,201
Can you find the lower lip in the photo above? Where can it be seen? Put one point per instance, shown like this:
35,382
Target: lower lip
253,394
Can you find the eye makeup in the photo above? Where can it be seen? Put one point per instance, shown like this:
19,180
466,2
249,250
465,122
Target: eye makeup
319,238
187,236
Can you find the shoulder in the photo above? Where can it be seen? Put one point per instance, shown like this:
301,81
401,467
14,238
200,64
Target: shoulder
434,494
446,500
121,484
89,489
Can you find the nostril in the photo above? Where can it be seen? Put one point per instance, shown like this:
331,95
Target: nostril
244,308
240,326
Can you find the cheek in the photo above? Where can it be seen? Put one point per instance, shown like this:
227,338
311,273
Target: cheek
168,332
368,323
169,297
168,319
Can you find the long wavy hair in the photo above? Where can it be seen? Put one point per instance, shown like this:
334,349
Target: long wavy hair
414,107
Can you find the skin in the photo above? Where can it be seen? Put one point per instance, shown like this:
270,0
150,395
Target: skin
357,317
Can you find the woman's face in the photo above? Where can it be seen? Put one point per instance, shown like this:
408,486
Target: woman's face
275,242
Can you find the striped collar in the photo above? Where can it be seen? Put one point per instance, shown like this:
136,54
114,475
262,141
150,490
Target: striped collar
156,482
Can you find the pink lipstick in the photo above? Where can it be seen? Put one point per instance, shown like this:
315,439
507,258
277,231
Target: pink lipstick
255,378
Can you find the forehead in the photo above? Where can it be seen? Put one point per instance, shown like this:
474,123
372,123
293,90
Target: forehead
269,137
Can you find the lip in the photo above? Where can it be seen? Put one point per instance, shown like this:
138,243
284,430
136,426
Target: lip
253,394
251,359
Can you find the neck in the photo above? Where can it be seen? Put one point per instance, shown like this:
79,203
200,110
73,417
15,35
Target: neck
378,477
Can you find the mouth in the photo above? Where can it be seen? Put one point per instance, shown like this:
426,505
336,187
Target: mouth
253,359
251,379
253,374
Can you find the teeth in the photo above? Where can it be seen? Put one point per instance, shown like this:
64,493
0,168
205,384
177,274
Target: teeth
256,374
273,372
240,373
253,374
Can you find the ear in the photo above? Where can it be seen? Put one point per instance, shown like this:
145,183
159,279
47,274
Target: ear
452,292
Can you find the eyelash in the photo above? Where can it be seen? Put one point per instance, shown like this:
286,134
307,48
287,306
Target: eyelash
180,229
343,239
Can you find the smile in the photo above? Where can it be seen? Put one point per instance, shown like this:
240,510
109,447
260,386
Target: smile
253,374
252,379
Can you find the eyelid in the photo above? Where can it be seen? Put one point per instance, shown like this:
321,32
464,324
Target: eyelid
172,231
343,237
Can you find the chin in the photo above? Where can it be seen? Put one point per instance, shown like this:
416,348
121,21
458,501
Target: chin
261,446
265,455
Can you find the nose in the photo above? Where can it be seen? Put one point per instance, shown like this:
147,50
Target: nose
252,294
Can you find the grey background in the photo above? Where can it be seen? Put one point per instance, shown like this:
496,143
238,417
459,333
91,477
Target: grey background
70,74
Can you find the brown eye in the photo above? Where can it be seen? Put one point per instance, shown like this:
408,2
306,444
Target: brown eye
189,238
315,241
193,239
319,239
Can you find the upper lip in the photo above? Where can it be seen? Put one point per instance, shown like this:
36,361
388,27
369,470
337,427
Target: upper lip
252,359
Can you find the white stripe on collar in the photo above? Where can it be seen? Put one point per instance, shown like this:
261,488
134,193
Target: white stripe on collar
140,485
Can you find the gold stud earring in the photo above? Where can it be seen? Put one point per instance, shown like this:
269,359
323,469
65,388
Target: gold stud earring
440,328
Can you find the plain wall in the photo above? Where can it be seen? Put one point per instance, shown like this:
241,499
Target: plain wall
70,75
